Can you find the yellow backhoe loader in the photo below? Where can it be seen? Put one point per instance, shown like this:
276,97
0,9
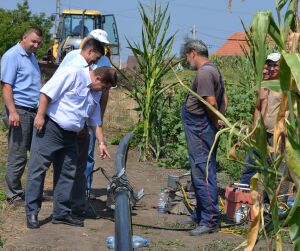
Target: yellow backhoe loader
74,26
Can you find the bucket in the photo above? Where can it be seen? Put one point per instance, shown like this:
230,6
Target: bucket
172,181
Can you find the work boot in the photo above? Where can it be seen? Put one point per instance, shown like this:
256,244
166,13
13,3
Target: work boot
203,230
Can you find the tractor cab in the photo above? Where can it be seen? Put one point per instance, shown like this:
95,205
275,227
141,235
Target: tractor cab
75,25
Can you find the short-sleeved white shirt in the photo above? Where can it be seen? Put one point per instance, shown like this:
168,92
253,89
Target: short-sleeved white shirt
72,101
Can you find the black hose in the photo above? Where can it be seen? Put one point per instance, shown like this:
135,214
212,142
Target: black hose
123,229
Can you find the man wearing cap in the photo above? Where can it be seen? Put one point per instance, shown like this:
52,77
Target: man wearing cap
67,101
21,83
87,137
267,104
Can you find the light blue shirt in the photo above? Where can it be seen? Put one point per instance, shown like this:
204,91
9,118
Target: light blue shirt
21,70
103,61
72,101
74,59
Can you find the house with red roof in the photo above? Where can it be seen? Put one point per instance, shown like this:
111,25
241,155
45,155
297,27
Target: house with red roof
232,46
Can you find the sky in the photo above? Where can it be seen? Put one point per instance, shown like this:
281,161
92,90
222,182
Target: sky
213,20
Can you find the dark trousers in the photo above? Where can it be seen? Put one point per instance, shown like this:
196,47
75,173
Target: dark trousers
19,141
249,171
200,135
53,143
78,201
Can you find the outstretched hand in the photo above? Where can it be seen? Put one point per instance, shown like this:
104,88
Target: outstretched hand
104,152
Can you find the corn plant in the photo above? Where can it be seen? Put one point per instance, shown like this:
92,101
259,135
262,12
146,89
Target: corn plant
154,60
286,134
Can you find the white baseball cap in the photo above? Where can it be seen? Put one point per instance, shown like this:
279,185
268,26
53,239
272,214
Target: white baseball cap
275,56
100,35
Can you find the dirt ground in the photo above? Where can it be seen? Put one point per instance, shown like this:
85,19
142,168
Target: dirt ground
93,235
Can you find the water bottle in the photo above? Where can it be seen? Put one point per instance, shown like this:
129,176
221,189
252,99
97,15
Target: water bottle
110,242
162,202
137,242
238,215
241,213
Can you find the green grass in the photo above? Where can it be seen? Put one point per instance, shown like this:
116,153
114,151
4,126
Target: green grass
2,241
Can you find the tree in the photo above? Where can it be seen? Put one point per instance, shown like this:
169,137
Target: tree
15,22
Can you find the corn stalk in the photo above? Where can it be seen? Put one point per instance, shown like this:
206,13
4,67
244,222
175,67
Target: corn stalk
154,61
286,148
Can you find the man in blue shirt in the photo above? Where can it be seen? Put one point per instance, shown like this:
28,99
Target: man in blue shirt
67,101
21,81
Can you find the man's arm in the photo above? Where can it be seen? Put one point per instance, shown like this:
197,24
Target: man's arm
261,104
13,119
224,104
213,117
101,141
39,120
103,102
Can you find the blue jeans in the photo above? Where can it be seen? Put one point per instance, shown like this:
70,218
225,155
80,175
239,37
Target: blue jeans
90,162
200,135
249,171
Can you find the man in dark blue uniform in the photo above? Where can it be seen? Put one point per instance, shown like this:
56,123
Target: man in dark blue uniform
201,126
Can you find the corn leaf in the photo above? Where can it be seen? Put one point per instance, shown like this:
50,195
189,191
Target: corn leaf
294,229
254,228
284,74
293,156
292,60
278,242
274,32
259,30
288,19
281,4
273,85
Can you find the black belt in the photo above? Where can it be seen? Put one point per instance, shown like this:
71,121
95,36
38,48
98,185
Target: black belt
28,109
65,131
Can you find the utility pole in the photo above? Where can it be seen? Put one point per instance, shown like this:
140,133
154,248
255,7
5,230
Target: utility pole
193,31
57,16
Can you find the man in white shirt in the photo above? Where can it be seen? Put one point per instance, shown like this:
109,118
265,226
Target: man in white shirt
67,101
80,58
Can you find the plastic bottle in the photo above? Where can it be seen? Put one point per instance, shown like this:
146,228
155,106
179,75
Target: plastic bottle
110,242
238,215
241,213
137,242
162,202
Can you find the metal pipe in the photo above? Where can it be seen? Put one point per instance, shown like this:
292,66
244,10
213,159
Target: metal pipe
123,229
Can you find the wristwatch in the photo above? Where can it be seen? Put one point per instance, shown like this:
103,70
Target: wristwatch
102,142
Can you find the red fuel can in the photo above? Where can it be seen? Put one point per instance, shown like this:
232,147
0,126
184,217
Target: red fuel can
238,197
